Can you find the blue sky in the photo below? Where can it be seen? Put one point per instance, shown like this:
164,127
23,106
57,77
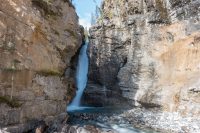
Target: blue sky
84,8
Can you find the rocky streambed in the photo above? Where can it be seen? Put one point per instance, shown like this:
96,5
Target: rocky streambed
102,120
138,120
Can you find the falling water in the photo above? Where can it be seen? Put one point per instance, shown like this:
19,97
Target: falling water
81,77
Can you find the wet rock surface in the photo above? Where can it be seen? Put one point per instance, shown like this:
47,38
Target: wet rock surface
141,120
99,96
102,120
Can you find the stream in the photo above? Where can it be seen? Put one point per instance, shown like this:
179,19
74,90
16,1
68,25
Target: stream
107,119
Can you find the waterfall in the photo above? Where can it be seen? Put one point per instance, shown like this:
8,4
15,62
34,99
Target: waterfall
81,77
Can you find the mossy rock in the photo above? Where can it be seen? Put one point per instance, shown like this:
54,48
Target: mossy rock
49,72
9,46
10,102
10,69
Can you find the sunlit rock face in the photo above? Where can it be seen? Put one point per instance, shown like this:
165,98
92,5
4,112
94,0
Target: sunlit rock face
149,52
38,38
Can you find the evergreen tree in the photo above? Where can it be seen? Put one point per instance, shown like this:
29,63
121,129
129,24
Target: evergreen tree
97,12
93,19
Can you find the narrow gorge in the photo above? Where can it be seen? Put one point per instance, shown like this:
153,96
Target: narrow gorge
137,71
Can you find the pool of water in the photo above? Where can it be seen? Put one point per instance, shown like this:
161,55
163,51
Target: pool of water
105,118
87,109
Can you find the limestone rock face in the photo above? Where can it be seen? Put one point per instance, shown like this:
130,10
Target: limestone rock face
149,52
38,39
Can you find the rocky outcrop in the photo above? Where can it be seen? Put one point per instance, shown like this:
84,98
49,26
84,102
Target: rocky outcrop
148,52
38,39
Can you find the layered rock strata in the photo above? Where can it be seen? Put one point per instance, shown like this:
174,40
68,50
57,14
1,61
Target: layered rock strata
148,52
38,39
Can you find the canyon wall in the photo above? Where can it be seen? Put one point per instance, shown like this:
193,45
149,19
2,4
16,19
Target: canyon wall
148,53
38,39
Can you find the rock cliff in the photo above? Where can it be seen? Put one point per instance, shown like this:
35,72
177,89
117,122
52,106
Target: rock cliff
38,39
148,52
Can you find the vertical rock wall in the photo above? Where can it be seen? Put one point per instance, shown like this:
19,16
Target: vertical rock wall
149,52
38,39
